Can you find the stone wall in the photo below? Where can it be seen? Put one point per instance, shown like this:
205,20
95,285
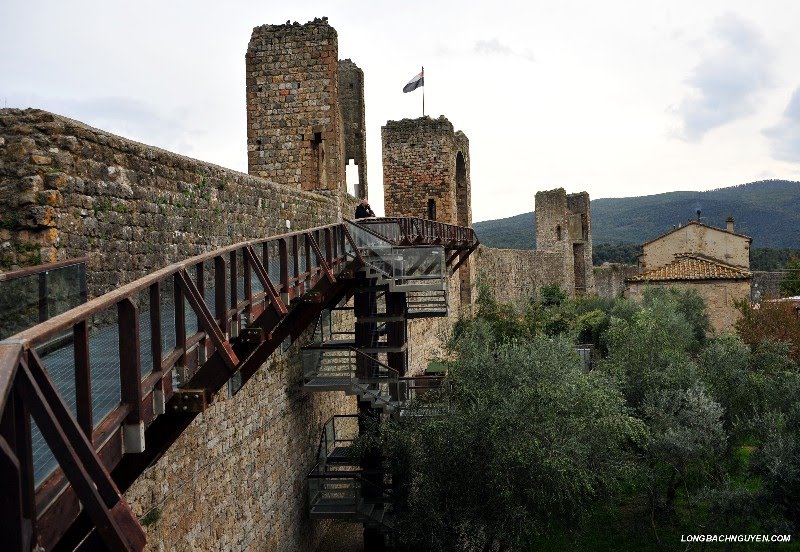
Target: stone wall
427,336
564,225
67,190
294,119
236,479
609,278
351,99
515,275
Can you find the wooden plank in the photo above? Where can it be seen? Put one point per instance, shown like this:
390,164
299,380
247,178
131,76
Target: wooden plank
14,531
10,354
130,360
220,297
83,377
23,450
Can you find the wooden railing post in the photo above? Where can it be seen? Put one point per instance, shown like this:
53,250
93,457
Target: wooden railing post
130,362
234,287
247,275
296,290
156,345
309,280
83,378
180,331
328,246
283,253
220,297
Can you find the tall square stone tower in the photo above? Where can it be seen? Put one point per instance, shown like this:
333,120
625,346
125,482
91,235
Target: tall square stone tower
295,128
426,170
564,224
351,97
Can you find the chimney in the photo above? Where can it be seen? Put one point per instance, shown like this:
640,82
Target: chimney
729,223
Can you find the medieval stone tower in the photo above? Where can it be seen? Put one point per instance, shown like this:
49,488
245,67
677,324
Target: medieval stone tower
426,174
564,224
426,170
351,99
296,131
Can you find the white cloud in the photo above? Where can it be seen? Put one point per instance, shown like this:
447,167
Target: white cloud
491,47
785,136
726,84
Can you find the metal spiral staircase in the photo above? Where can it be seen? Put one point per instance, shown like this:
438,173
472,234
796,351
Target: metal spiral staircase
397,283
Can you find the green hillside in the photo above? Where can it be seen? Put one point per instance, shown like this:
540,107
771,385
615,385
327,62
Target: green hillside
768,211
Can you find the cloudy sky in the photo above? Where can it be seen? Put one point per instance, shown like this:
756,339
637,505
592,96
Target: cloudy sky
618,98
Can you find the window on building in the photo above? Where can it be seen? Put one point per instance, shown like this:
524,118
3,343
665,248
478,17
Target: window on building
432,209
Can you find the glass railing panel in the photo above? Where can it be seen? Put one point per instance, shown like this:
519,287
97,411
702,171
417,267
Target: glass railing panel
419,264
27,300
104,363
388,229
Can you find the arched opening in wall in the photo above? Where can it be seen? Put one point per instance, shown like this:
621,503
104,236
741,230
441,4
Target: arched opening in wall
558,232
351,178
431,209
463,214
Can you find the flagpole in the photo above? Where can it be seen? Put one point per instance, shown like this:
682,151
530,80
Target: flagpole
423,92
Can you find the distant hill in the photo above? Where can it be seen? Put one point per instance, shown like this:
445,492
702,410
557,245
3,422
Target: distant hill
768,211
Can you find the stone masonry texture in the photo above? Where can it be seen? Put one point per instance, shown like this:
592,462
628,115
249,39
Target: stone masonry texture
425,159
67,190
294,119
351,98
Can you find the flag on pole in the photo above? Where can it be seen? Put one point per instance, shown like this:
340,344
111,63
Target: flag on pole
416,82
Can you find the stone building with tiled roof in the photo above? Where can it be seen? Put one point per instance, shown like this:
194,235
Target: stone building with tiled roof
713,261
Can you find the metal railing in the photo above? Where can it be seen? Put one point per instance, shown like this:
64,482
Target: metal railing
403,267
131,350
413,230
338,433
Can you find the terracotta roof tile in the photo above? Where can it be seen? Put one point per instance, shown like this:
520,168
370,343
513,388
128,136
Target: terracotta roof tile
690,267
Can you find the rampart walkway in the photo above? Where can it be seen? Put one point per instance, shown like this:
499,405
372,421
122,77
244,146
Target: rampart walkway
111,384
